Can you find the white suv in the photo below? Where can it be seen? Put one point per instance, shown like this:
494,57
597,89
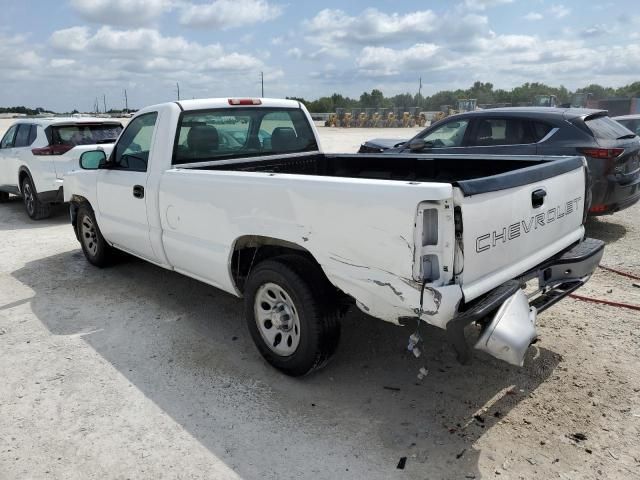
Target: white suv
36,153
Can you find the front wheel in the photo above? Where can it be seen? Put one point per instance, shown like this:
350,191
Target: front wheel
96,249
35,208
291,314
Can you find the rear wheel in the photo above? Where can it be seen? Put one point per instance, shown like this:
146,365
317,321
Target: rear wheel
291,314
4,197
35,208
96,249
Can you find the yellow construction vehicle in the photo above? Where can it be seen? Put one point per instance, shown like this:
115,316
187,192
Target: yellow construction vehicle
332,120
362,120
346,122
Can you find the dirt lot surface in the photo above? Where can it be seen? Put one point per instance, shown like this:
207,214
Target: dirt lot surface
137,372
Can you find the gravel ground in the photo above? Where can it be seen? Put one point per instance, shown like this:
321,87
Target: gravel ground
137,372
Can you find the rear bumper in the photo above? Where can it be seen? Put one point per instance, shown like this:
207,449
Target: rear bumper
619,195
507,334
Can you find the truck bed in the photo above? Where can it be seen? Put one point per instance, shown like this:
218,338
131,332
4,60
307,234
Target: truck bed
472,174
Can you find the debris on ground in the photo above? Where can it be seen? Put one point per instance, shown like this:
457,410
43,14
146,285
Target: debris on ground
578,437
402,463
393,389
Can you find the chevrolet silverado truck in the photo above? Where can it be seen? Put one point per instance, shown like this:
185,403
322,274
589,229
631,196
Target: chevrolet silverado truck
36,153
238,194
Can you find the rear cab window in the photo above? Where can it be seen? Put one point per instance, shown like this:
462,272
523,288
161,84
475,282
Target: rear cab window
605,128
83,134
221,134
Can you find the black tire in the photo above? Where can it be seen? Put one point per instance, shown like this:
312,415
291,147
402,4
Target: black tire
96,249
316,310
4,197
34,207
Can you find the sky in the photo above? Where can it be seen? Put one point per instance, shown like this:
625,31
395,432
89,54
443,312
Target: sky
63,54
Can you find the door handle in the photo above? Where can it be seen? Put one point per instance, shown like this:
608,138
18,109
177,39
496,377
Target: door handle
537,197
138,191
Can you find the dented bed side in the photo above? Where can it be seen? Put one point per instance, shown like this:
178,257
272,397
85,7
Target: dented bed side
361,232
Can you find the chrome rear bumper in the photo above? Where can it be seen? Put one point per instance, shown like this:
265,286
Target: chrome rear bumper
508,315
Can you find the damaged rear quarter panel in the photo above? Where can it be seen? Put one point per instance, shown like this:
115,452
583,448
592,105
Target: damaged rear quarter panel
360,231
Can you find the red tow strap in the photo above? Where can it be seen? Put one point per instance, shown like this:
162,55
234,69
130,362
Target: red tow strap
608,302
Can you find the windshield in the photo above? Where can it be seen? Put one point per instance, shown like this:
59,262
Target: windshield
207,135
80,134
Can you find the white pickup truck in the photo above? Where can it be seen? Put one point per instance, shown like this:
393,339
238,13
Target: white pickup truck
238,194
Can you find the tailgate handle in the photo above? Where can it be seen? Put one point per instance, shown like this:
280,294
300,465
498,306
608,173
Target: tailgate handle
537,197
138,191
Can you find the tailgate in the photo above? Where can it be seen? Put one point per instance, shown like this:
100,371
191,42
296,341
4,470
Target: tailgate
514,221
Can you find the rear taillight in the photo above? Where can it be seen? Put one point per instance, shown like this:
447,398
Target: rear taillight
245,101
52,150
607,154
603,153
599,209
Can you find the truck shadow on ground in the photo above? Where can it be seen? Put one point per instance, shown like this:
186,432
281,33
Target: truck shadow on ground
604,230
14,217
185,346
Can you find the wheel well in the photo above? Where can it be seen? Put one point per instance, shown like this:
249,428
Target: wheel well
24,173
250,250
74,205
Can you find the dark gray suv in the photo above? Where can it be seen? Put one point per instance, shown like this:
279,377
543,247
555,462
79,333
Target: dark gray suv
611,150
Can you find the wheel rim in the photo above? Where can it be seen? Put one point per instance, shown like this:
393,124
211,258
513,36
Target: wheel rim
29,198
89,235
277,319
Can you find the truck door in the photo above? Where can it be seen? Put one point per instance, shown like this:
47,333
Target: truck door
121,189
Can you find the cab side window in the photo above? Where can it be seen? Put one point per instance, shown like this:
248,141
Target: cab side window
501,131
132,150
7,140
450,134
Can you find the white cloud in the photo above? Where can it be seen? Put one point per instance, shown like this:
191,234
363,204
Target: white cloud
145,50
16,65
121,12
74,38
61,62
226,14
330,26
336,32
484,4
559,11
382,61
533,16
294,52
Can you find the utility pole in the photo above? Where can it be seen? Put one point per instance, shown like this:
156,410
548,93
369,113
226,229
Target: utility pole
104,102
178,89
262,82
420,88
126,101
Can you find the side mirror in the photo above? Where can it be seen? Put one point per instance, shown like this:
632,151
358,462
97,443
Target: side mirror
417,144
93,159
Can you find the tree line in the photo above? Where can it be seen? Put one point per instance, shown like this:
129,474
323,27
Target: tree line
483,92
